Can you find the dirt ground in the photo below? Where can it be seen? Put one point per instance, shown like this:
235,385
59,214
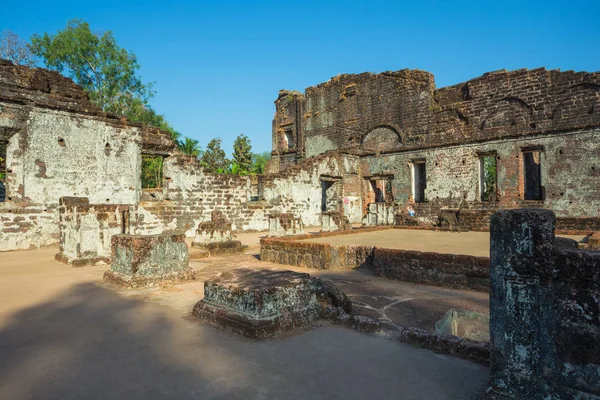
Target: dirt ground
65,334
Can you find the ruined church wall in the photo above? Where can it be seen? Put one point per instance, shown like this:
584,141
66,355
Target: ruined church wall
191,194
299,189
570,174
59,155
23,227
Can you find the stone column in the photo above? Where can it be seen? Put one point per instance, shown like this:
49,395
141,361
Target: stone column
520,241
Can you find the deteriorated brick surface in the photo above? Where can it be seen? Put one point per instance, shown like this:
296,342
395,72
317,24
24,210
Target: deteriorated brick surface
391,119
148,260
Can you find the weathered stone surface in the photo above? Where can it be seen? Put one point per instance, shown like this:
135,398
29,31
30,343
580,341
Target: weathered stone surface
265,303
334,221
216,236
544,309
86,230
450,270
285,224
448,344
502,113
139,261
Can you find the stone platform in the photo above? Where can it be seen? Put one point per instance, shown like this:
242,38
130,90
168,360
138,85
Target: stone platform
216,237
265,303
143,261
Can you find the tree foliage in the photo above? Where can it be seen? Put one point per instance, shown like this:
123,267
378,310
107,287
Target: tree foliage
15,49
106,71
152,171
489,178
213,158
190,147
259,162
109,73
242,154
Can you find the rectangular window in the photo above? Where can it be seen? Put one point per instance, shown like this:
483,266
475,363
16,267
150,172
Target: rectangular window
330,195
419,180
289,139
532,167
152,171
3,145
488,177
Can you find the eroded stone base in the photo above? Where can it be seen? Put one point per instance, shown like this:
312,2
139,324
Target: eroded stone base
132,282
219,248
265,303
81,262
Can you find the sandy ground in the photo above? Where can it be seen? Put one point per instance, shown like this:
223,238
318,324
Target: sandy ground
64,334
469,243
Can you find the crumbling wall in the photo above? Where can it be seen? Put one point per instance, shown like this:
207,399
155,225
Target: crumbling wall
545,311
299,189
27,226
394,119
86,230
59,144
569,163
191,194
57,155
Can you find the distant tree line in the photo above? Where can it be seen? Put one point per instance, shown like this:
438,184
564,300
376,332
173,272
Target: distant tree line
110,75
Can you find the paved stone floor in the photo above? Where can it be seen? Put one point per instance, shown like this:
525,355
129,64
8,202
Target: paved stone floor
469,243
64,334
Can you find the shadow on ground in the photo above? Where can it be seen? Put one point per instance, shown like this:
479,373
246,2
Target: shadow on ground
90,342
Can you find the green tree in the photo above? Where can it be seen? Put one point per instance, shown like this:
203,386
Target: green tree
152,171
242,154
106,71
15,49
489,178
213,158
259,162
190,147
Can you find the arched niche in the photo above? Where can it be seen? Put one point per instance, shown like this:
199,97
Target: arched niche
382,138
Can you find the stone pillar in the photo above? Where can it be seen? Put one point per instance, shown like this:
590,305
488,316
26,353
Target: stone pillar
520,240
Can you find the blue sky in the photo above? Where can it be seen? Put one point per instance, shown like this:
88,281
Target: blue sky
218,65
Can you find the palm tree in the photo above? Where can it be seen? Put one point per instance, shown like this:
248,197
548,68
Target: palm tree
189,146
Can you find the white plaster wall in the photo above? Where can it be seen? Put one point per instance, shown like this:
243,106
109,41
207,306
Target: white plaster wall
31,227
80,168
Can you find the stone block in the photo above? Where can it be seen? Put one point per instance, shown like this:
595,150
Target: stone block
265,303
216,236
140,261
285,224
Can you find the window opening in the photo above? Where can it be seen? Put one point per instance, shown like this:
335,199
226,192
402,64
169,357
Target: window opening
532,163
289,139
419,181
488,177
152,171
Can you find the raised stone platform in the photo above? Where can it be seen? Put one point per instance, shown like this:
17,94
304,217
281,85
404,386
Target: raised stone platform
142,261
215,237
265,303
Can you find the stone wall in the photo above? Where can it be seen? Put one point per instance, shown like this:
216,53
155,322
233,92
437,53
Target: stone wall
448,270
86,230
394,120
545,311
27,226
58,144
